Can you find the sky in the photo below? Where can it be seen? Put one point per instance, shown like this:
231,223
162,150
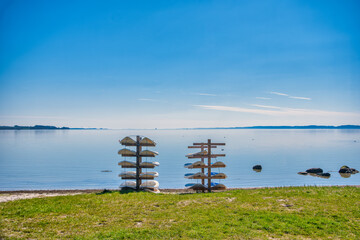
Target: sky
179,64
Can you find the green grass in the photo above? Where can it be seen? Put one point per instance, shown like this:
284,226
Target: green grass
286,213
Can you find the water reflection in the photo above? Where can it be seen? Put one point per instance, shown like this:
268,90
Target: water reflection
345,175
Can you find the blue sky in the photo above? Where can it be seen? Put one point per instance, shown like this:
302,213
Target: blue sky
169,64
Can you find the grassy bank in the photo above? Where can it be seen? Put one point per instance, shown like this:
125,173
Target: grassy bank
290,213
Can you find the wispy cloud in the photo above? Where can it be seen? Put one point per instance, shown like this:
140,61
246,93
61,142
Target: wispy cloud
263,98
234,109
147,99
278,111
289,96
265,106
206,94
302,98
280,94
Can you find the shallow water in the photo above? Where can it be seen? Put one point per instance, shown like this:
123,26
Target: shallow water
74,159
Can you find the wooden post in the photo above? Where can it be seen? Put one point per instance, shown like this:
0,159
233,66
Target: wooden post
209,165
202,170
138,161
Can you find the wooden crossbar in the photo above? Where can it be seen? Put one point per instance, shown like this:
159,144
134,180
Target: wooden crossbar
211,144
201,146
207,156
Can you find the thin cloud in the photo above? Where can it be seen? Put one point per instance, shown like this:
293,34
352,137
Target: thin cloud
302,98
206,94
278,111
280,94
234,109
265,106
289,96
263,98
147,99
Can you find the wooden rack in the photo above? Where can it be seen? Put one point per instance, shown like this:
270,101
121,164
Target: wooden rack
203,154
138,176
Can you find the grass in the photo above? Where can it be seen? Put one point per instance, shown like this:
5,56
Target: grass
285,213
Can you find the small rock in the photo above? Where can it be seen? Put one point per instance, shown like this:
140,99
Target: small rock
302,173
346,169
323,175
259,167
314,170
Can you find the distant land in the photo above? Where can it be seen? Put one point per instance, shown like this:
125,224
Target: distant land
285,127
43,127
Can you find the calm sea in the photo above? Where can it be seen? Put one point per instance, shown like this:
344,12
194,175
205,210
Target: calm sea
75,159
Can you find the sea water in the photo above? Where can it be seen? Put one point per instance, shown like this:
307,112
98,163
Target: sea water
76,159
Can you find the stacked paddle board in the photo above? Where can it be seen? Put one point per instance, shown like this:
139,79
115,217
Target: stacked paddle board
139,178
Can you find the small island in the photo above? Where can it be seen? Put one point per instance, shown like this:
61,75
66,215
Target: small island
43,127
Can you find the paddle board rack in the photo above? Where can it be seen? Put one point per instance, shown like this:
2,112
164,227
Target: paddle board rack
140,180
205,153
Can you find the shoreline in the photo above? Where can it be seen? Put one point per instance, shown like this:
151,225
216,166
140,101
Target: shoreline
7,196
161,189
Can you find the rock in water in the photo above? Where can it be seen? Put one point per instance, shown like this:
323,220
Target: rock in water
302,173
324,175
346,169
314,170
258,167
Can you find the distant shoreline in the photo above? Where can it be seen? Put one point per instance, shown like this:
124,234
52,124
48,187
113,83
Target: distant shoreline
43,127
284,127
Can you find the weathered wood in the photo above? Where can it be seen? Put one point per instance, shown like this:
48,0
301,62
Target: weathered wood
145,178
202,170
138,161
201,146
209,165
211,144
207,156
207,146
